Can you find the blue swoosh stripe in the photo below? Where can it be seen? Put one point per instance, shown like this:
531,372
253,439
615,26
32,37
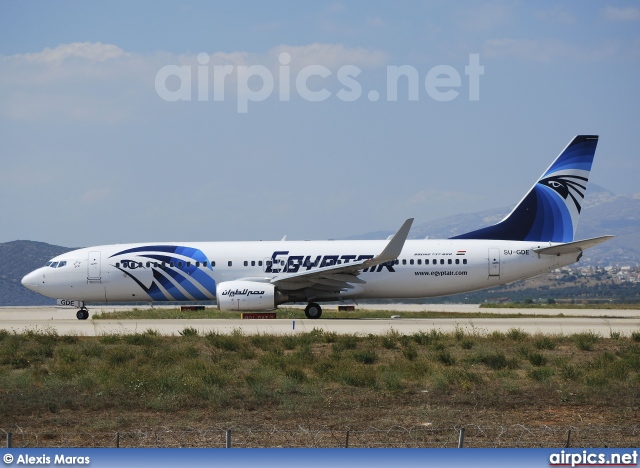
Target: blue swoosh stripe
187,277
186,284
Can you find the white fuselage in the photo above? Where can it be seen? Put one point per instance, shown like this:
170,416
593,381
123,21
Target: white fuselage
425,268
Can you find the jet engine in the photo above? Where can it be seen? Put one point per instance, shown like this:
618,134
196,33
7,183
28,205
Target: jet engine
248,296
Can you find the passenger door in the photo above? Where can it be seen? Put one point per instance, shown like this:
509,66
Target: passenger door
93,266
494,261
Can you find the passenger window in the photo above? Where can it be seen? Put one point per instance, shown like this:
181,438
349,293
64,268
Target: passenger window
464,261
411,262
253,263
419,262
139,264
171,264
213,264
230,263
188,264
404,261
179,264
54,265
197,264
148,264
259,262
442,261
246,263
426,261
449,261
457,261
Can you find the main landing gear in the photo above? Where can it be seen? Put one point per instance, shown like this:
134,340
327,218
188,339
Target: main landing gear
313,311
83,313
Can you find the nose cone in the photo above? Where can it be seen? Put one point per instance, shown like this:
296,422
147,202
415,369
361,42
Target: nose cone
30,281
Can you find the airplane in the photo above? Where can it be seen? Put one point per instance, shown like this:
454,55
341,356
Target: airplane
535,238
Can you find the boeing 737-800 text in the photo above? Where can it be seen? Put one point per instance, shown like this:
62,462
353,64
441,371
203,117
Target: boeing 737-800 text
535,238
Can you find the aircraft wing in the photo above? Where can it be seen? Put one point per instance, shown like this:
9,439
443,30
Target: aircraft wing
572,247
339,277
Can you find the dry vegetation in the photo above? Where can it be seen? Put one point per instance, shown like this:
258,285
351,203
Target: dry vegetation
316,379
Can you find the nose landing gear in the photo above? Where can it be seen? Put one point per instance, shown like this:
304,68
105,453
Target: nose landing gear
83,313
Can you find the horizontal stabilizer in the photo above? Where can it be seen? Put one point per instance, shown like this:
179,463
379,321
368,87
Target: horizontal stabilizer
572,247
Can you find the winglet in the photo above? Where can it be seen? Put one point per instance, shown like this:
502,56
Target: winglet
391,252
394,247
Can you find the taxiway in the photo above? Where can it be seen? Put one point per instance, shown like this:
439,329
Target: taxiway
63,321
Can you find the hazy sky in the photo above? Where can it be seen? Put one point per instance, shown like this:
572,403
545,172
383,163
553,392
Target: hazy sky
149,121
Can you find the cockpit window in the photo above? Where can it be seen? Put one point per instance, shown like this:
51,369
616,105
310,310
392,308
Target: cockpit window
61,264
54,265
47,264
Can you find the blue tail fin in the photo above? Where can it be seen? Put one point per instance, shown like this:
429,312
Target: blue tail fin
550,211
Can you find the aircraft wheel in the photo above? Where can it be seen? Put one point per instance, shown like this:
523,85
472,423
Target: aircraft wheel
82,314
313,311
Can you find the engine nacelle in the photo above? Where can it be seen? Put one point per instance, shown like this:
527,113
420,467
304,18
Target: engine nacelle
248,296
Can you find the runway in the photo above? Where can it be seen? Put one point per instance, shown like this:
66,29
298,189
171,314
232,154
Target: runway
63,321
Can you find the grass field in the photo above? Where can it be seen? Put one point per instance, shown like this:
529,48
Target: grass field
120,382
